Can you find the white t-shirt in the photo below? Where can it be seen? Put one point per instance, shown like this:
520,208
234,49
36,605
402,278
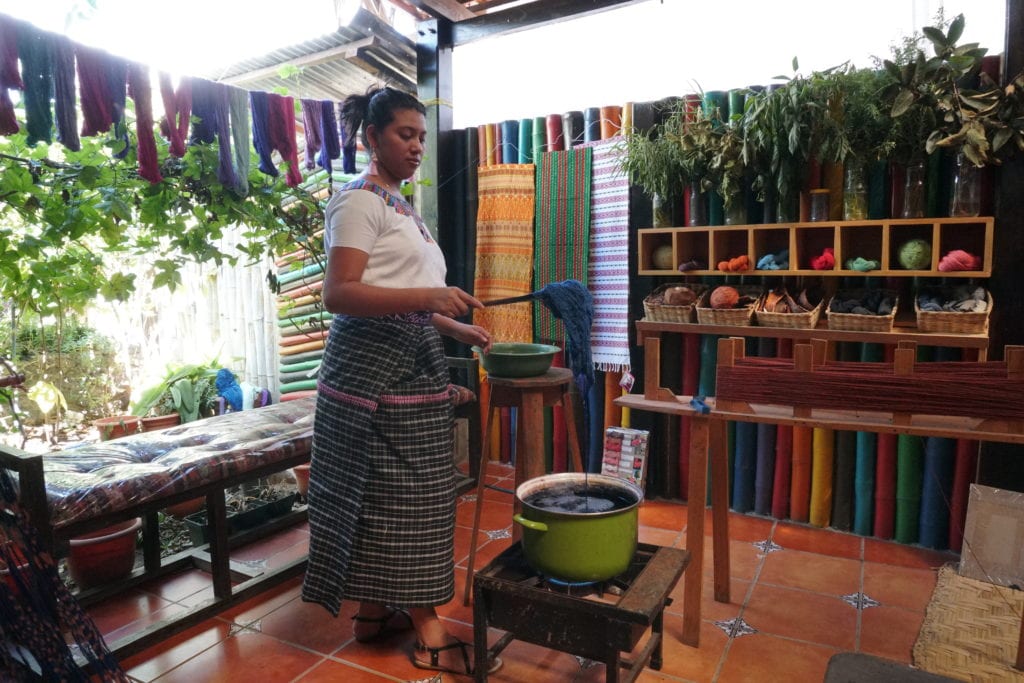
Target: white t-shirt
400,255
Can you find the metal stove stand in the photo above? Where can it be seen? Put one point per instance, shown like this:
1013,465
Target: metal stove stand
604,626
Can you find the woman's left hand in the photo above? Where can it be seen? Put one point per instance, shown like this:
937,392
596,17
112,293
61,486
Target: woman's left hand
474,335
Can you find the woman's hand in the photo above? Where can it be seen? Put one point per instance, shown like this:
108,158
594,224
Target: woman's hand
474,335
451,301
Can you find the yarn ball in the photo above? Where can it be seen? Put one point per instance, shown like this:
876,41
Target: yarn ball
679,296
228,387
724,297
958,259
662,257
826,261
915,254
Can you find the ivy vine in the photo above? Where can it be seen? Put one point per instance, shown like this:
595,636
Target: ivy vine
69,220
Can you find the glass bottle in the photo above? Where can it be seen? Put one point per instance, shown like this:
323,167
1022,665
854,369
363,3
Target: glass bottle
966,196
736,211
913,191
661,213
855,194
698,206
819,209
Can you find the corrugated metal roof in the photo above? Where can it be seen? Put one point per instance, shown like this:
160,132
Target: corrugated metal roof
333,66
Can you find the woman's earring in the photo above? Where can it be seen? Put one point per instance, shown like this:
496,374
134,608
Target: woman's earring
373,154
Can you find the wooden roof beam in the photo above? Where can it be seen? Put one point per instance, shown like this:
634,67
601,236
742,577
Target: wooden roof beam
452,10
346,51
532,15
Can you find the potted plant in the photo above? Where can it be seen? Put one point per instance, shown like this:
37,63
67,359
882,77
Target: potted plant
186,390
652,162
787,128
981,123
866,141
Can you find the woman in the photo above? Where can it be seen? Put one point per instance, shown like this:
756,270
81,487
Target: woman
381,487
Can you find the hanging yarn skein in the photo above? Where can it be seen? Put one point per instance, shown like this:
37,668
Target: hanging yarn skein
571,302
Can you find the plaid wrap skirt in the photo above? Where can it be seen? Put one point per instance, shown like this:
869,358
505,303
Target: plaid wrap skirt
381,485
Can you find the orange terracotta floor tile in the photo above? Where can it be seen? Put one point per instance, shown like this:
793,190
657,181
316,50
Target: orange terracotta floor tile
811,572
889,632
798,595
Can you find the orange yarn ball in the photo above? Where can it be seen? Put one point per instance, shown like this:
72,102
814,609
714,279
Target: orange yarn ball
724,297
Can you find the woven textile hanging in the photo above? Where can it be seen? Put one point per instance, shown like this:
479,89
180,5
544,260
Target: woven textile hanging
504,249
562,242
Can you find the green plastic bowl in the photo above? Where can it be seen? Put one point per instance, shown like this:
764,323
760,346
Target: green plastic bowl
517,359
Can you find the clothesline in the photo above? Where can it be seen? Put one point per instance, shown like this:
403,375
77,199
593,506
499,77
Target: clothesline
196,110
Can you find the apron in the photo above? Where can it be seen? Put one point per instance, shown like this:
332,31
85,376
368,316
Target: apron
381,489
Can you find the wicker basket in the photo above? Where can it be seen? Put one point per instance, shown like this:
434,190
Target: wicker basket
802,321
656,311
952,322
857,322
728,316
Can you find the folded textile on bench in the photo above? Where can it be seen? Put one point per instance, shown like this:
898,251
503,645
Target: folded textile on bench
87,481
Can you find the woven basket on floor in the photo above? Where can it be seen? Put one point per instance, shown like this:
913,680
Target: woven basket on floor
801,321
858,322
657,311
970,630
953,322
743,316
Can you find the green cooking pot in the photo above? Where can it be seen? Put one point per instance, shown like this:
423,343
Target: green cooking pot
579,527
517,359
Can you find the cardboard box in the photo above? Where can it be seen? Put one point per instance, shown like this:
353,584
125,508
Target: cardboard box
994,537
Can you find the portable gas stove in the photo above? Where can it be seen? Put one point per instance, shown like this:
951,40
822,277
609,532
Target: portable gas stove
600,621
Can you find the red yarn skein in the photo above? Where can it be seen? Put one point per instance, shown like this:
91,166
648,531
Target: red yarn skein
826,261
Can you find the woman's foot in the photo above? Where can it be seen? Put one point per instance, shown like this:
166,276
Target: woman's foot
456,657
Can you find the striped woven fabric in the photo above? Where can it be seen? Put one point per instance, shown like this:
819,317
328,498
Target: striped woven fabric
608,276
504,249
562,243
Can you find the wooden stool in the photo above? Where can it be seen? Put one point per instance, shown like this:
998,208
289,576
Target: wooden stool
530,395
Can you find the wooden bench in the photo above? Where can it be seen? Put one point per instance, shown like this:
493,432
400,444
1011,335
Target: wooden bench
79,490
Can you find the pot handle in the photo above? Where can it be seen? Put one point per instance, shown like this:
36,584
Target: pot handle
529,523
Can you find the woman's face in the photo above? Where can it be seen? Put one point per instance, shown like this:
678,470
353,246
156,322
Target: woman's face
400,144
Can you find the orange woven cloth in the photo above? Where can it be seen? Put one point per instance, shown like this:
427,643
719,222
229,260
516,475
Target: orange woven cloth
504,249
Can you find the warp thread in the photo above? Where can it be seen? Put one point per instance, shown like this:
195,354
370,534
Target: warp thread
981,392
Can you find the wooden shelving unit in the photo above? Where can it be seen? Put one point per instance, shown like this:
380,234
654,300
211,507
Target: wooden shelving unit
900,332
878,240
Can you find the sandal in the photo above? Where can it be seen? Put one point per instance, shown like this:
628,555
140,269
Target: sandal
385,627
435,661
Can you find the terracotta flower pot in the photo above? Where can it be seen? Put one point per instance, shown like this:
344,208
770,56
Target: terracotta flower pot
151,424
301,473
116,426
104,555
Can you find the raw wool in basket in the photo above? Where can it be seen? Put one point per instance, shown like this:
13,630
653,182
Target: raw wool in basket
873,302
961,299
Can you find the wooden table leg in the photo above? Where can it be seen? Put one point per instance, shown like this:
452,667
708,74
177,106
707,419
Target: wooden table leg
718,452
481,486
530,438
695,502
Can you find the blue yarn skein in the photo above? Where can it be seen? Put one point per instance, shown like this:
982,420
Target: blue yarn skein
228,387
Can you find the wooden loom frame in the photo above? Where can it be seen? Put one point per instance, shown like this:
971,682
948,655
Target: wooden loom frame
709,419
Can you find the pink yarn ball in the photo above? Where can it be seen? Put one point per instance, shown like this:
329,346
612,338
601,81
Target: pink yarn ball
958,259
